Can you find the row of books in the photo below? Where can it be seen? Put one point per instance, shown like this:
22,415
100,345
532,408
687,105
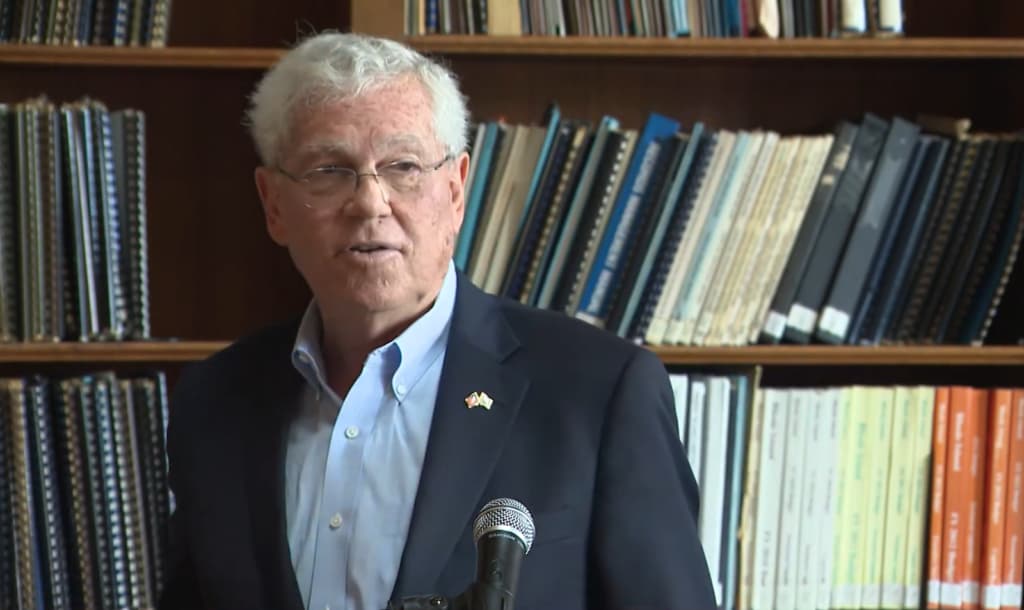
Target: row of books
85,22
857,497
656,18
880,232
73,254
83,491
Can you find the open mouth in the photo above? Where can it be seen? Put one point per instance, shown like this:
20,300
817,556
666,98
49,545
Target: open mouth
372,250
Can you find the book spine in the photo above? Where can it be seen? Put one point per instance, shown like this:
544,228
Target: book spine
801,410
1013,545
9,314
915,573
831,484
111,499
973,557
879,457
769,500
80,551
84,388
130,488
138,310
936,540
110,221
995,499
47,500
28,574
958,494
849,562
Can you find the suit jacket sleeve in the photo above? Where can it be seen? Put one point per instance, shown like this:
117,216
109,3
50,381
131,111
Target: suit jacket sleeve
645,550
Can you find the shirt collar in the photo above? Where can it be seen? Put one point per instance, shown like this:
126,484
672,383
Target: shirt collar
409,355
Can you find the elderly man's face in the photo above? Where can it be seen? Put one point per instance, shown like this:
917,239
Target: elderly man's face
383,247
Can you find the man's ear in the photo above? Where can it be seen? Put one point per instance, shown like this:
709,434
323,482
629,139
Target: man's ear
270,195
458,187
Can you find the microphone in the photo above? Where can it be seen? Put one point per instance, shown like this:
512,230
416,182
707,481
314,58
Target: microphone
503,532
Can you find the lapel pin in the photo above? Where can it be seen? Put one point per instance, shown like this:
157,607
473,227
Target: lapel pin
479,399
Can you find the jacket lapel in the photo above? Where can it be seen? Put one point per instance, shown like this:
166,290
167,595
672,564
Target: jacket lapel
464,443
273,402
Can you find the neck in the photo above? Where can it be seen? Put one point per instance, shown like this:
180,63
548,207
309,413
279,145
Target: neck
348,339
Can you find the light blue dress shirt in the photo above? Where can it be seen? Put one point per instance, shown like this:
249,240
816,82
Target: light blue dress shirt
353,465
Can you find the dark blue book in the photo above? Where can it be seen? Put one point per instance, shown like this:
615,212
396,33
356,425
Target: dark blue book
892,228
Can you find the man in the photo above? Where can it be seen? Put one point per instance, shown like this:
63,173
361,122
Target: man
338,461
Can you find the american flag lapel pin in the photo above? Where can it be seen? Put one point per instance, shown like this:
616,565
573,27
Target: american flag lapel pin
479,399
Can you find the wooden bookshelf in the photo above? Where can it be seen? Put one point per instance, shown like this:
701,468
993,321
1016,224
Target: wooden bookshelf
723,48
129,352
235,58
827,355
170,352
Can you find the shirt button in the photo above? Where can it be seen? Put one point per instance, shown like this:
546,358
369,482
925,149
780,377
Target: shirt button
400,388
335,522
304,357
351,432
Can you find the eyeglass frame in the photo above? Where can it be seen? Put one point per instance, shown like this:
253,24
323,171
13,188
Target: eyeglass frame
304,178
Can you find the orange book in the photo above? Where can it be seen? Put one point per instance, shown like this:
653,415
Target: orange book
977,413
995,500
958,495
1012,548
937,512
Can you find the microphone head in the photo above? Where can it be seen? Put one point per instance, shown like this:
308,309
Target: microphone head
505,515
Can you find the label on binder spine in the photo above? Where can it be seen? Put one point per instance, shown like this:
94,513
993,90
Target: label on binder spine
834,322
802,318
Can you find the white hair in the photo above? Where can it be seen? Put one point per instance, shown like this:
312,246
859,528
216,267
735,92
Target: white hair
332,66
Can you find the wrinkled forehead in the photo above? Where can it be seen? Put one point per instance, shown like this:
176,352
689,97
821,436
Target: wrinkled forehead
393,116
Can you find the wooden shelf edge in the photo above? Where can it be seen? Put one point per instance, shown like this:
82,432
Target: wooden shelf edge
725,48
786,355
142,57
537,46
828,355
108,353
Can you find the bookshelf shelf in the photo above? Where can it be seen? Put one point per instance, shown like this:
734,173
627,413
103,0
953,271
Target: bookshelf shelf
799,355
244,58
227,58
827,355
725,48
159,352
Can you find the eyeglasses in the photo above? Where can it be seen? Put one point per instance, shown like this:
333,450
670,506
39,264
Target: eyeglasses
340,183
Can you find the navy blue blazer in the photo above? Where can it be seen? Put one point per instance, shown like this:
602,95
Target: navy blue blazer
582,431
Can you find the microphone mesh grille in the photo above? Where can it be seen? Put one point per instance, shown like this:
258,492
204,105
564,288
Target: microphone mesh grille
506,515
